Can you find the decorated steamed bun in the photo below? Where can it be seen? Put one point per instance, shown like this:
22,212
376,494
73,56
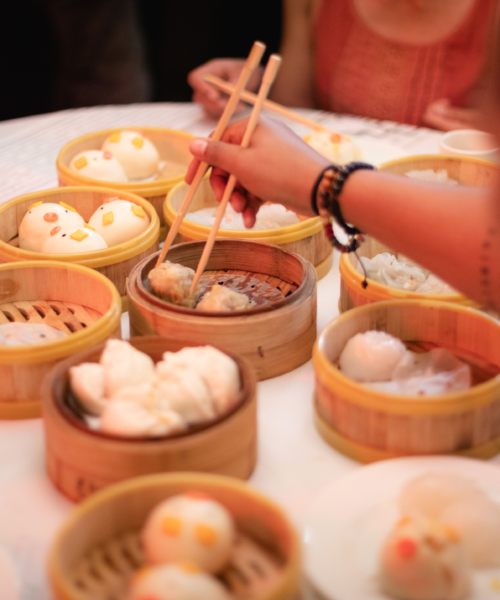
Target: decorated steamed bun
177,581
97,164
119,221
41,219
137,155
190,527
336,147
72,240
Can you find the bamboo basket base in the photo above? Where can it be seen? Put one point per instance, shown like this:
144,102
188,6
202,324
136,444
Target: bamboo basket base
64,316
105,573
368,454
323,268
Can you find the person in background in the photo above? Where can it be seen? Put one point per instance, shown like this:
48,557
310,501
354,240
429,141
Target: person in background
420,62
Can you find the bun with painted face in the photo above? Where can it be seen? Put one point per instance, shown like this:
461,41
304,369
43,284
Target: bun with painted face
73,240
97,164
41,219
137,155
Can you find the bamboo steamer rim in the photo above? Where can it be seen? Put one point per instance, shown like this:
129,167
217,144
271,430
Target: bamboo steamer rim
377,291
289,580
357,393
57,349
453,157
149,188
96,258
368,454
215,314
279,235
244,394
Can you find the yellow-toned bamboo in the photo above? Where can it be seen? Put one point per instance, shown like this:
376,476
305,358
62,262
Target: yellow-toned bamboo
307,238
80,462
122,509
115,262
274,341
467,171
371,425
173,147
23,368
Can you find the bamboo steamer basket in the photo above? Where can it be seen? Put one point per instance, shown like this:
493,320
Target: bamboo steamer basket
276,336
307,238
69,297
115,262
467,171
370,425
81,461
97,549
172,145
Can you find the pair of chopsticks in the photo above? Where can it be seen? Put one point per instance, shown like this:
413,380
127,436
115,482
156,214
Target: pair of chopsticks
267,80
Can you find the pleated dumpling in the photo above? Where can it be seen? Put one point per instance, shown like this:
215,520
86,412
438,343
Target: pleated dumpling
184,391
219,372
388,270
124,366
87,383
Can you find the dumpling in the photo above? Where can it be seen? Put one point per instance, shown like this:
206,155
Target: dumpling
223,298
137,155
87,383
434,285
129,418
338,148
175,581
387,270
219,372
189,527
172,282
72,240
118,221
100,165
184,391
21,334
424,560
124,366
371,356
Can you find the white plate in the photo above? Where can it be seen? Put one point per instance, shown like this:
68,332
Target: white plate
347,524
376,152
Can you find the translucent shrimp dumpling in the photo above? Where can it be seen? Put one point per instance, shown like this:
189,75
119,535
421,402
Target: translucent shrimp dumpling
388,270
371,356
124,366
172,282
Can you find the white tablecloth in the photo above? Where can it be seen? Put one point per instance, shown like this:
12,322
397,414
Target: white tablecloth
294,463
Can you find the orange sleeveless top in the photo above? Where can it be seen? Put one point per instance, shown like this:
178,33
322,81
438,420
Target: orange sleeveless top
360,73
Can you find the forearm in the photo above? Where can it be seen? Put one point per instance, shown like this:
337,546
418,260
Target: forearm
453,231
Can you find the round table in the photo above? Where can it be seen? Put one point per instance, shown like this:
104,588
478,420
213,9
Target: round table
294,463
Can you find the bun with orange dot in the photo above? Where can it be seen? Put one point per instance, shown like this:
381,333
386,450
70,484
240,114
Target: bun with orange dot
100,165
119,221
42,220
190,527
137,155
72,240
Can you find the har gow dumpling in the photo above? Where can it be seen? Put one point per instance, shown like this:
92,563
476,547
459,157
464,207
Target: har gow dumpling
124,366
87,383
387,270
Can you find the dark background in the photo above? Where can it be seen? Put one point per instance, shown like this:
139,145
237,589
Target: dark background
60,54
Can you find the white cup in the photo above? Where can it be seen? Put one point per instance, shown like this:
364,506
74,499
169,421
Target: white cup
470,142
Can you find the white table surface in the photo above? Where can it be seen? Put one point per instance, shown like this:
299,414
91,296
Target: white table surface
294,463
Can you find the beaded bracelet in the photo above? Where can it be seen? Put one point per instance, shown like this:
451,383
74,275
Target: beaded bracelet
327,189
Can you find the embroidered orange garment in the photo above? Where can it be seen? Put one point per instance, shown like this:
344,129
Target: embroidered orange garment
358,72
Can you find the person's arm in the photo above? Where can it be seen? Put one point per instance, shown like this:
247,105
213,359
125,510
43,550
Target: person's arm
453,231
294,85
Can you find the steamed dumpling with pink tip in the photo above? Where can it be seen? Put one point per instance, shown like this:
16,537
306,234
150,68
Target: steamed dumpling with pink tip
137,155
72,240
100,165
119,221
42,219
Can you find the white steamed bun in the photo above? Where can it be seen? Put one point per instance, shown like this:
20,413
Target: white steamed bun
137,155
119,221
100,165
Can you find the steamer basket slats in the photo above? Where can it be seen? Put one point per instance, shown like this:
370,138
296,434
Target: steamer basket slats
371,425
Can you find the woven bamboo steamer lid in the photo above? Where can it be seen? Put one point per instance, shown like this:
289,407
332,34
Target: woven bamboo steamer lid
115,262
123,508
172,145
372,425
81,461
307,238
467,171
67,296
275,338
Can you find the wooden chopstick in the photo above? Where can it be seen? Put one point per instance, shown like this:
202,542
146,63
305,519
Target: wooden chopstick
267,81
225,86
251,63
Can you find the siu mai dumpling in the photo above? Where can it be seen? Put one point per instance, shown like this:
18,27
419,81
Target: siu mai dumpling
223,298
218,371
124,366
172,282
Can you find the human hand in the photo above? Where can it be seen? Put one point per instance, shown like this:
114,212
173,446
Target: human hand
277,167
228,69
441,115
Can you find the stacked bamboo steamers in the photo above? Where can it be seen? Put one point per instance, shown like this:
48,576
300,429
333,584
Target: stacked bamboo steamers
368,424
